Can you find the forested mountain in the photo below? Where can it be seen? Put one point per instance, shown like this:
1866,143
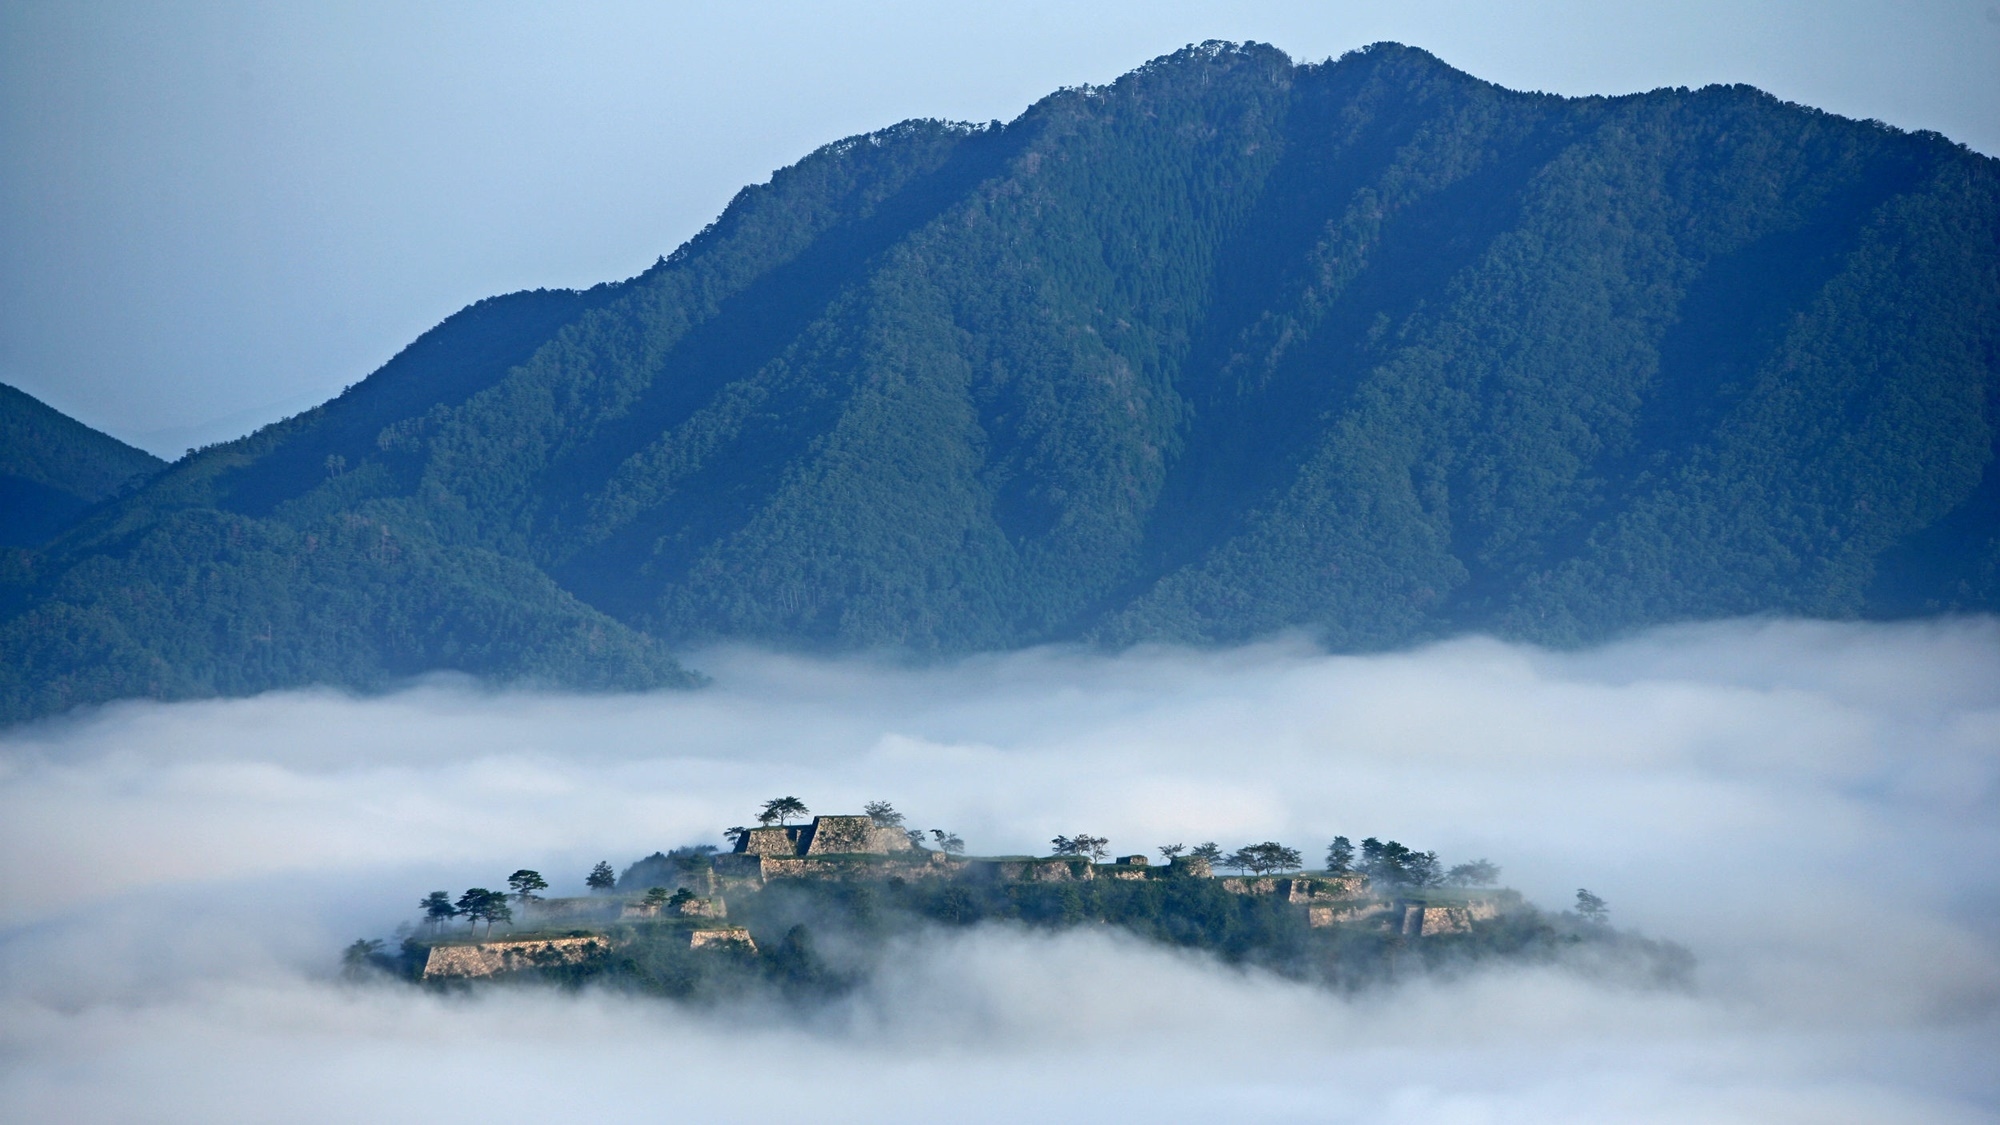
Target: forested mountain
53,468
1369,347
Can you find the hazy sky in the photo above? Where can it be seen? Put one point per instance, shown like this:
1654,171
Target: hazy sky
212,215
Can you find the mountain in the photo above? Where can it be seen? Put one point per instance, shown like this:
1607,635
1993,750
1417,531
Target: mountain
53,468
1368,347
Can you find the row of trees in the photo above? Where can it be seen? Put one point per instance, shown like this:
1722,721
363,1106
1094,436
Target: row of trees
1388,861
475,906
1384,861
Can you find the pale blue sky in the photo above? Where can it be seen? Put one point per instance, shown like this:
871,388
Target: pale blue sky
212,215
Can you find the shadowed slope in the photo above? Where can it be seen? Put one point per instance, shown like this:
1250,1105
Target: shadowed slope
1231,345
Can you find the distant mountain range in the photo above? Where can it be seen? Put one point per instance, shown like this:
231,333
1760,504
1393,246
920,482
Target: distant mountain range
1368,347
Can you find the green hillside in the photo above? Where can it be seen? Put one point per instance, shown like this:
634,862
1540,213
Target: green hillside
1368,347
53,468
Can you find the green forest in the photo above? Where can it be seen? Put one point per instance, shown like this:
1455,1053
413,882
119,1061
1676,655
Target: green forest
1368,347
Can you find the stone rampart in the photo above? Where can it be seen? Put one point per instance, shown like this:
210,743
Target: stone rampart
702,908
912,864
490,957
731,937
1334,915
772,840
1297,888
1425,920
853,835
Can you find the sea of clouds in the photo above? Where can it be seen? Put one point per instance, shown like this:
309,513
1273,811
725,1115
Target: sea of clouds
1809,807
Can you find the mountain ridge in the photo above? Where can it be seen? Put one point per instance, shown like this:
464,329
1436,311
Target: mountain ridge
1231,345
53,468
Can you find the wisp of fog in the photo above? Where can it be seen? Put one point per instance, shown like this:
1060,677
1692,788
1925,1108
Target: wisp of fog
1809,807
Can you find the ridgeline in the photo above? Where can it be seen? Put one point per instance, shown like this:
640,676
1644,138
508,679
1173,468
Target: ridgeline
1367,347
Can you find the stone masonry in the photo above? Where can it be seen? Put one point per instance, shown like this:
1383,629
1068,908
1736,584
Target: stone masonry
826,835
490,957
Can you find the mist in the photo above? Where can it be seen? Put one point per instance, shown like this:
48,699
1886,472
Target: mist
1808,807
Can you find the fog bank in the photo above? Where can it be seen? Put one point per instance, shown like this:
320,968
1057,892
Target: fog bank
1809,807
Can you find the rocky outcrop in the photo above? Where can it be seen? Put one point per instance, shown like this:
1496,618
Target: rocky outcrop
489,957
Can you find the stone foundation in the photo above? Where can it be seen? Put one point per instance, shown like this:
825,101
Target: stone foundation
703,908
488,958
733,937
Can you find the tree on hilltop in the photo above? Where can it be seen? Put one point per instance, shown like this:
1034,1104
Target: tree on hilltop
1083,845
1394,864
479,904
601,877
1264,858
1339,856
363,955
656,898
1478,873
1170,852
524,883
437,909
883,814
1593,909
948,842
780,810
1209,853
735,834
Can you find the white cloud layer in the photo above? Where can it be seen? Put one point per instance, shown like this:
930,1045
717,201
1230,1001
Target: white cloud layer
1810,807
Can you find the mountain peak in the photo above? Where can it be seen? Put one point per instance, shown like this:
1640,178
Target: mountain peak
1366,347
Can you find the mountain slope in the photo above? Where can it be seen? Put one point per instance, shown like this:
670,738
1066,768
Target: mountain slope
53,468
1369,347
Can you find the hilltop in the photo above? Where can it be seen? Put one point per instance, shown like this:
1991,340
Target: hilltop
812,909
1367,347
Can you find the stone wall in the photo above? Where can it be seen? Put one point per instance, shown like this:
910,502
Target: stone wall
1422,920
775,840
732,937
842,835
1297,888
490,957
826,835
911,865
702,908
1331,915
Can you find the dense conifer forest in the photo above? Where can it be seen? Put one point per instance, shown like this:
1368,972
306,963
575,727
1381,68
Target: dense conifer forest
53,468
1367,347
